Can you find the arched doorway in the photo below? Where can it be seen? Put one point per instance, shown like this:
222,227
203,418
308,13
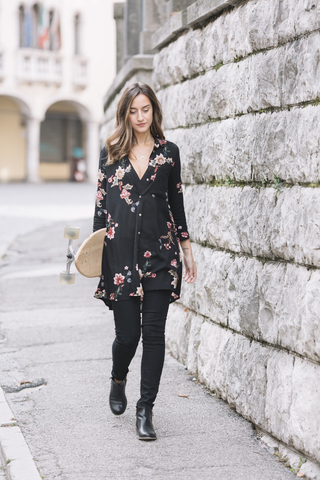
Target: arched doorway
62,143
13,139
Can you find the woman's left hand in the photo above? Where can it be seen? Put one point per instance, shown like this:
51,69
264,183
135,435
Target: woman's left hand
190,273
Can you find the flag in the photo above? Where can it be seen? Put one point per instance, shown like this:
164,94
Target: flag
27,33
43,29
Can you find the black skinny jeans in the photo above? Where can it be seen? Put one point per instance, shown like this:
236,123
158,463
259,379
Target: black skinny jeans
128,326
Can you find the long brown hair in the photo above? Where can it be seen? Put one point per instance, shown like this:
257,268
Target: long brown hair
120,142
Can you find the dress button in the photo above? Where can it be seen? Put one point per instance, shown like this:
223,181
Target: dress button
140,214
138,233
139,196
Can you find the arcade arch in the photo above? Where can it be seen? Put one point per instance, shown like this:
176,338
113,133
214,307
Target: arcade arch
42,145
61,142
14,114
67,134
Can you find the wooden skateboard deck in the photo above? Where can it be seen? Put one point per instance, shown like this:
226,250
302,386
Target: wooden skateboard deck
88,259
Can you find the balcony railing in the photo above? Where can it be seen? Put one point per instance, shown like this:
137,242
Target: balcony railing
39,66
80,71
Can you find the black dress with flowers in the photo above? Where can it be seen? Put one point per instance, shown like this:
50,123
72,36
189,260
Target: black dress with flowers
145,222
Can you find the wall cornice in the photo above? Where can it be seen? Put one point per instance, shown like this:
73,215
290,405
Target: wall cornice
132,65
201,10
194,15
169,31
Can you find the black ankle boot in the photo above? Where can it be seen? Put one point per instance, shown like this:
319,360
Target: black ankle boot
144,425
117,397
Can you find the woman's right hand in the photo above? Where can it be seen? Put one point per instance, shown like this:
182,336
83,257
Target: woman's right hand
190,273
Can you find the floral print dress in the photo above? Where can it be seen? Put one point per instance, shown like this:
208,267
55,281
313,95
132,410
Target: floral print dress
145,221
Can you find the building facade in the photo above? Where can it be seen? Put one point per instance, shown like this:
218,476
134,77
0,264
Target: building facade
56,60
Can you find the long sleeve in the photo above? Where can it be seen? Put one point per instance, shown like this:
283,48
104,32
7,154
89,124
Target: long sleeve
99,220
176,198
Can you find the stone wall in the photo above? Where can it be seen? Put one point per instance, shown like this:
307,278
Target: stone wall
239,85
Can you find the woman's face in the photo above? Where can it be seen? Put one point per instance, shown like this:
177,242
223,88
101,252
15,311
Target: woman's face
141,114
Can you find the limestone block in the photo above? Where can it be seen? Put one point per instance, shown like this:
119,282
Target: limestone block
289,314
177,332
286,307
183,335
302,60
235,367
292,400
295,235
279,394
167,32
243,300
166,68
311,470
209,294
253,147
195,198
255,221
201,11
196,322
286,75
277,303
254,26
212,339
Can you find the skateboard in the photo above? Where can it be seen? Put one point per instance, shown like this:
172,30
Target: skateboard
88,258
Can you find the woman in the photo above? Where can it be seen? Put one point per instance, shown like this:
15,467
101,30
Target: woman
140,203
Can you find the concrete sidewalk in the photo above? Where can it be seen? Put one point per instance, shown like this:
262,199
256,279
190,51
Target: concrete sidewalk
59,338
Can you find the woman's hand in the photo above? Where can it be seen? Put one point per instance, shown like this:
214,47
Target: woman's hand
190,273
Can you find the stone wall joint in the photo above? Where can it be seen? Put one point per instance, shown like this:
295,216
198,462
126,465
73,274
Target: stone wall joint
236,59
260,259
264,183
252,339
314,102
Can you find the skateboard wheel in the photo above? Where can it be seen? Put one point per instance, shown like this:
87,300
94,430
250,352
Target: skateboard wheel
71,233
67,278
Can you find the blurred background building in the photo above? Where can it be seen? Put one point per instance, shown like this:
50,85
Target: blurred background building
57,58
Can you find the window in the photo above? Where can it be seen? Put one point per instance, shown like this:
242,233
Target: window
39,27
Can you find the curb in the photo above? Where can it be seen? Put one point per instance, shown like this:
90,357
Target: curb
14,451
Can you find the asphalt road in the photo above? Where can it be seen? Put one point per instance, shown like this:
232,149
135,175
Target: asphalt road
59,338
